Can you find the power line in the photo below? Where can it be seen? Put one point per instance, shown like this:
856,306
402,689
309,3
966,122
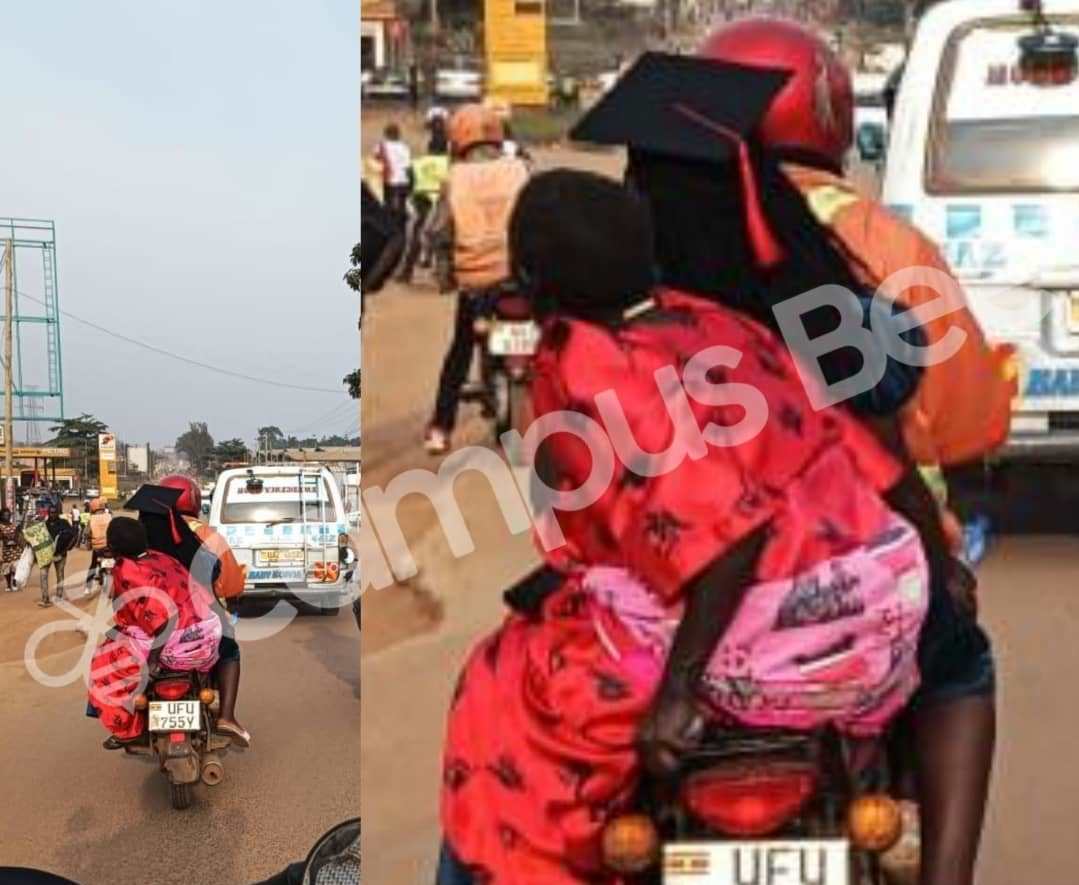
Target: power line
321,418
184,359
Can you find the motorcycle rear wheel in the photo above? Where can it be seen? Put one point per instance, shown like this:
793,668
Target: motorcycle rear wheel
180,794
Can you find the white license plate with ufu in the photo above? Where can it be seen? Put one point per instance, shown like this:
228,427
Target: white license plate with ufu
175,716
793,862
513,339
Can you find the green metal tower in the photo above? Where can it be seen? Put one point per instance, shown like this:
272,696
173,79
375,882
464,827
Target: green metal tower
38,376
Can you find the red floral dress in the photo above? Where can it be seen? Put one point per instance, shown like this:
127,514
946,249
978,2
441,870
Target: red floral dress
146,592
540,743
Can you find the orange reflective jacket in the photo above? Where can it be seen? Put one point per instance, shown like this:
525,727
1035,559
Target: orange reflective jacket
481,197
230,582
962,409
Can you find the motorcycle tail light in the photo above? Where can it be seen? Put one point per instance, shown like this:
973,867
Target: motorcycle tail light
513,307
746,801
630,844
171,689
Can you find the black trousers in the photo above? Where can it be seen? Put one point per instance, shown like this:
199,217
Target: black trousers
457,362
423,206
396,200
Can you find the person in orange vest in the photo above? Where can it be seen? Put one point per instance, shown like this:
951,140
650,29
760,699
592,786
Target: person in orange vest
756,213
98,528
228,586
472,222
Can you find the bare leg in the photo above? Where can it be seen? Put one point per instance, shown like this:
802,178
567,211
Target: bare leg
954,746
228,683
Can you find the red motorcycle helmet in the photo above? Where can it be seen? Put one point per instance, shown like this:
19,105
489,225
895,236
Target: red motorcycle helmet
190,501
814,112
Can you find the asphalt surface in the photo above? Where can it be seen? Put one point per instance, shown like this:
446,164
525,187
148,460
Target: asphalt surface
96,817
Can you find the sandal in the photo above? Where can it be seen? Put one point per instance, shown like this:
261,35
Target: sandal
239,736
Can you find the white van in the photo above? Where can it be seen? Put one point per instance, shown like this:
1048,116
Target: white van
984,157
287,524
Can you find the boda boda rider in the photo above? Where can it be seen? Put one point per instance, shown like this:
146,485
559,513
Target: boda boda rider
549,727
228,586
98,526
163,616
962,409
471,220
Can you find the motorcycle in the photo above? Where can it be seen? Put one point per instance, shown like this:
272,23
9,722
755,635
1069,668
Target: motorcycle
180,734
772,808
506,339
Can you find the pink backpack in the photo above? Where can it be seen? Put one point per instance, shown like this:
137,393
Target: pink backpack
193,648
836,644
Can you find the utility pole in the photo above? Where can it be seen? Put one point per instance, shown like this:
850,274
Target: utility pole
9,384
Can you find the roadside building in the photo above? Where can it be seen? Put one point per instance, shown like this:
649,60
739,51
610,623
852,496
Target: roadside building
384,36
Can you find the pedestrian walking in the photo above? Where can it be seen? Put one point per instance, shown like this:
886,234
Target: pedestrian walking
414,87
13,544
396,159
63,539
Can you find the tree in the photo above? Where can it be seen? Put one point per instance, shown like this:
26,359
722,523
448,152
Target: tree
352,382
80,435
197,444
231,450
271,436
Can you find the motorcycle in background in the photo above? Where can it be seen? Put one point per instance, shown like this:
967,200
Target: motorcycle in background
506,340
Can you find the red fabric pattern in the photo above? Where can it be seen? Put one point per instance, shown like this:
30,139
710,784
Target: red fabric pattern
540,743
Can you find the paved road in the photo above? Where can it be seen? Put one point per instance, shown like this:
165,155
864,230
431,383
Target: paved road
1030,593
99,818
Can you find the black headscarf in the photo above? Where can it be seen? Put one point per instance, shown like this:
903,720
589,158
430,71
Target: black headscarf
581,245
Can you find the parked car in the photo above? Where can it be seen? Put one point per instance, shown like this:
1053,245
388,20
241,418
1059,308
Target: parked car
458,84
384,86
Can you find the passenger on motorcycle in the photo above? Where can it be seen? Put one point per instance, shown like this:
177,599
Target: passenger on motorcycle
228,586
162,616
471,222
556,711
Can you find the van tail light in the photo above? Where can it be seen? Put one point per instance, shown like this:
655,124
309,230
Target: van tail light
325,572
171,689
748,800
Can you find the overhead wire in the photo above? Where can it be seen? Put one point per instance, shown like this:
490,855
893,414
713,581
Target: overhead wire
185,359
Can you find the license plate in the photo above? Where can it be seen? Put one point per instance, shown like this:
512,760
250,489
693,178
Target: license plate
175,716
513,339
278,557
794,862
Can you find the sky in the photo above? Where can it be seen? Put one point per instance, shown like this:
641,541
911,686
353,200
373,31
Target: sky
199,161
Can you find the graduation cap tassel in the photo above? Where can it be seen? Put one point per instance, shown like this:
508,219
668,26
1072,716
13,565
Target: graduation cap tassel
765,246
172,525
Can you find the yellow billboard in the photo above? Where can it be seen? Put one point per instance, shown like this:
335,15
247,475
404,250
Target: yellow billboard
515,33
106,449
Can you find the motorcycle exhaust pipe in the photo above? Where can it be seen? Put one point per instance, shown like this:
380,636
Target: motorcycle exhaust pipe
213,772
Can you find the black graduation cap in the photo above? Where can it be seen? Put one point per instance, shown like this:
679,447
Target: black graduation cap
156,506
154,499
696,108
